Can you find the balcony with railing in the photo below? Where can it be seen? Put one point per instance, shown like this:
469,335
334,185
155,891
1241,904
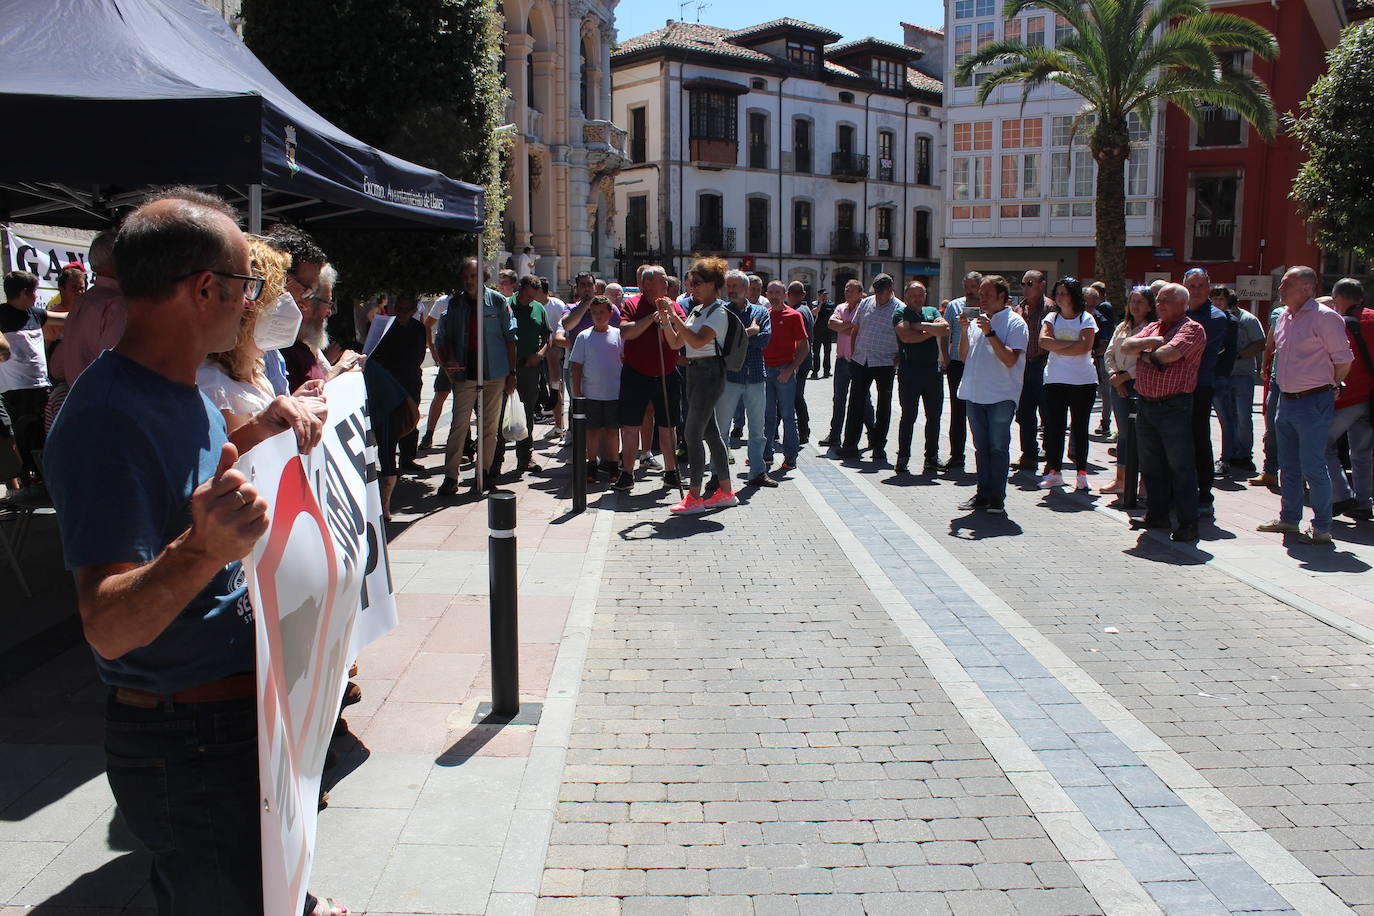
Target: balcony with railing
849,166
605,145
801,241
713,239
846,243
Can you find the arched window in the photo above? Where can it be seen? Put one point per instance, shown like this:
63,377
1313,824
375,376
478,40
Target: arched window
802,157
922,234
801,226
923,160
756,230
530,97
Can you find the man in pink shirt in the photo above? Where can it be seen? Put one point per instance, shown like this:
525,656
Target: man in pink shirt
842,323
1312,357
96,320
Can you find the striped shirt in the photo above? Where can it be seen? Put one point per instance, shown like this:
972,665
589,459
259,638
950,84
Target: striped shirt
875,343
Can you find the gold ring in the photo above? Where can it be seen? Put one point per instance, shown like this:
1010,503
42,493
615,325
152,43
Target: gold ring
243,500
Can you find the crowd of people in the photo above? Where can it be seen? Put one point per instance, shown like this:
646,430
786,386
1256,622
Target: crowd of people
688,373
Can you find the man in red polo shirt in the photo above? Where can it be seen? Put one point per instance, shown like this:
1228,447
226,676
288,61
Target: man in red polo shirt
647,378
1170,353
787,349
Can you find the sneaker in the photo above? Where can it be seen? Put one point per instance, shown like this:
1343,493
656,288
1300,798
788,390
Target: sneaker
721,499
690,505
1081,482
1264,480
787,465
1222,469
1051,480
670,479
762,480
1278,526
1313,536
649,460
427,440
974,503
625,481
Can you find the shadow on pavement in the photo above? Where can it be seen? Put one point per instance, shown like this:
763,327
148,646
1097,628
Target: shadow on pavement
671,529
978,526
1323,558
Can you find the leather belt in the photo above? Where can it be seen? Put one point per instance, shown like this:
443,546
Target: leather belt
1299,395
234,687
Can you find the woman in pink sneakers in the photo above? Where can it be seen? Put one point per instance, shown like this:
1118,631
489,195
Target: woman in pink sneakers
702,334
1070,382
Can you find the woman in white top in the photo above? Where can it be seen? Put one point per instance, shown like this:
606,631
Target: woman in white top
1140,311
702,333
1070,381
234,380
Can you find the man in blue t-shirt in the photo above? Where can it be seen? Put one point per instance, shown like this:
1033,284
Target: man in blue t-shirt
154,521
1215,323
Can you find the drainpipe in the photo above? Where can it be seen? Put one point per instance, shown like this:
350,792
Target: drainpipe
906,183
863,262
781,247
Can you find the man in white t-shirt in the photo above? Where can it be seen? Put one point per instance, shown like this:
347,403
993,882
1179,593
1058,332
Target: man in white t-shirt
993,348
442,387
524,261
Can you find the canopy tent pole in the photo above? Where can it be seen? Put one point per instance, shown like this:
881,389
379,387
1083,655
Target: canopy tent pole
255,209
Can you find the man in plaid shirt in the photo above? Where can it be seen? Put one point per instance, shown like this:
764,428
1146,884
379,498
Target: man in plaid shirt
1170,352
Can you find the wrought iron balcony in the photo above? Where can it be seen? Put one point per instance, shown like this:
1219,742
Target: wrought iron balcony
713,239
849,166
846,243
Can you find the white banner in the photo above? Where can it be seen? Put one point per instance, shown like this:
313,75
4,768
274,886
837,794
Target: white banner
45,257
321,588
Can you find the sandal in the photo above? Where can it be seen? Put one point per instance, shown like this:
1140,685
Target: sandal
352,694
327,907
1113,489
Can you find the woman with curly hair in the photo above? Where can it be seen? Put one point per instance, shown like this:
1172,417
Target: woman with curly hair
702,335
235,380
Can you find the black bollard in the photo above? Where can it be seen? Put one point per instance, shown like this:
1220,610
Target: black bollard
579,454
503,600
1131,457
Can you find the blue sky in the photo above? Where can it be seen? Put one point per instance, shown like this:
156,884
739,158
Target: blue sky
879,18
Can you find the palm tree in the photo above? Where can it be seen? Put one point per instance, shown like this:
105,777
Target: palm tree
1125,57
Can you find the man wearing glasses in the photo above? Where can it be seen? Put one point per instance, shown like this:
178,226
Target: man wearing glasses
154,521
305,358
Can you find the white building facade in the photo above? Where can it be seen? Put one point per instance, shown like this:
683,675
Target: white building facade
790,155
1019,193
566,150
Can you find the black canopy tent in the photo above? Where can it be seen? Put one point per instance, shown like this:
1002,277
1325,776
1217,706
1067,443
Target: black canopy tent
163,92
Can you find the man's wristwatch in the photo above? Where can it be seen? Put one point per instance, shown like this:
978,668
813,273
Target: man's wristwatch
991,334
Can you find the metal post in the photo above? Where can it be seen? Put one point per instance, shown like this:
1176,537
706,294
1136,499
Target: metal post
255,209
503,599
578,424
481,306
1131,458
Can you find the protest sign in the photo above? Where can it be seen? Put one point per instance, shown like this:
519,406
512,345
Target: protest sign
45,257
321,589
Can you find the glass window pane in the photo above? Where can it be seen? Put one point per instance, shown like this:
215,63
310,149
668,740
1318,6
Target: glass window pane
1059,174
1009,178
1011,134
982,135
1083,173
1030,175
1032,132
1035,31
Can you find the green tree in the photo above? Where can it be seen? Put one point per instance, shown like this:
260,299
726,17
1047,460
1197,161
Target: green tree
1335,185
1125,57
416,78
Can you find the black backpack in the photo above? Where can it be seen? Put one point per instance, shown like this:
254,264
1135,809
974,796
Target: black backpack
736,347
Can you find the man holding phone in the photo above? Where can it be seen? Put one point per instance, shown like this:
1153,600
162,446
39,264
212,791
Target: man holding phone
993,348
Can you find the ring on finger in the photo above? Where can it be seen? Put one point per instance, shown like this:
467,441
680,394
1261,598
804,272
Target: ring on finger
243,500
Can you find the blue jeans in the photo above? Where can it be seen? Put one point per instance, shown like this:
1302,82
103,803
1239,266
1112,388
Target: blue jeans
781,405
1030,411
991,428
1121,411
840,404
1302,427
185,778
1234,398
748,399
1271,439
1168,461
1352,421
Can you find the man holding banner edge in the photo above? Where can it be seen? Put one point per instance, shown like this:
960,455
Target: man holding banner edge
156,555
